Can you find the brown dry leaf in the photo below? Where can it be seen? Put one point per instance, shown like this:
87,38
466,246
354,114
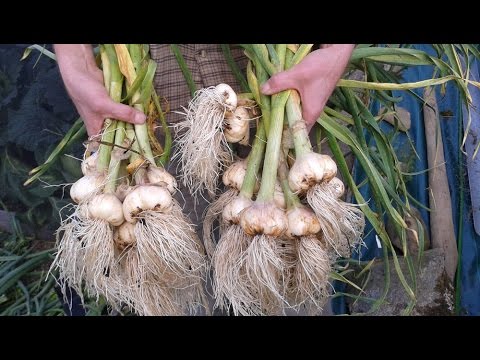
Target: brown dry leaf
125,63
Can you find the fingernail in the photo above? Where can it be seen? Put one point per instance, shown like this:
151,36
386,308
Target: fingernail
139,118
265,88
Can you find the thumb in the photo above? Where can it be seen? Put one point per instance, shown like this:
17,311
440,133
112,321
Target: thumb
123,112
282,81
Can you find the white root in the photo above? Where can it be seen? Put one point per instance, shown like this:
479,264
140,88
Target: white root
69,258
311,274
265,269
342,223
166,242
192,299
151,294
212,214
144,292
99,254
86,255
202,149
231,286
163,272
288,250
157,300
153,264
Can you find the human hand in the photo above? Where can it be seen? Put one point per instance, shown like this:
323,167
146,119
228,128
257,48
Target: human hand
84,83
315,78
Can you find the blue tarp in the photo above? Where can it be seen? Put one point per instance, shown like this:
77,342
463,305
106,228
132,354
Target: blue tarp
448,103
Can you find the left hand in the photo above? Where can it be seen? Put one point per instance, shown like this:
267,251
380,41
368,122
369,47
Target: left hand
315,78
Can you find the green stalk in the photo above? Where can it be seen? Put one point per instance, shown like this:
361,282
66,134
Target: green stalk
303,50
13,276
234,67
77,132
111,77
245,96
261,53
352,105
141,131
135,155
114,166
370,215
253,83
254,162
274,56
183,66
130,134
378,191
281,50
338,115
167,148
269,174
318,137
107,74
291,199
77,125
382,94
142,75
263,100
288,58
301,140
135,51
116,84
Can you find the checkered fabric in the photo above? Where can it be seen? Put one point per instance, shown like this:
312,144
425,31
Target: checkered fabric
208,67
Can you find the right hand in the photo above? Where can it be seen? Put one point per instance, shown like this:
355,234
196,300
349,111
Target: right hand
315,78
84,83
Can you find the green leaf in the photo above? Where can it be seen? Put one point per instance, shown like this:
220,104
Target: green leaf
392,86
234,67
137,83
183,66
41,49
26,53
339,277
348,138
392,55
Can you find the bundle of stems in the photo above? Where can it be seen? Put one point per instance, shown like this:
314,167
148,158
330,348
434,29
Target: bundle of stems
287,252
273,249
127,239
